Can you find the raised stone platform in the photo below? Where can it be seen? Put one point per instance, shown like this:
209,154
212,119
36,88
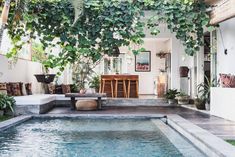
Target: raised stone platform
40,104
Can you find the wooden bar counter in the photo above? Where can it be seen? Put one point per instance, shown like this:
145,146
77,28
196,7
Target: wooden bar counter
120,92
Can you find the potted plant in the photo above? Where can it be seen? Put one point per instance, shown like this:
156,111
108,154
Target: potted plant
6,103
95,83
204,90
39,55
200,103
182,98
82,72
170,95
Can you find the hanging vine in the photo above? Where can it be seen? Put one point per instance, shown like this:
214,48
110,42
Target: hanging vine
92,28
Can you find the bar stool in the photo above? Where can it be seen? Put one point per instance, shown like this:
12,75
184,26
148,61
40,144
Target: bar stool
136,82
106,81
121,81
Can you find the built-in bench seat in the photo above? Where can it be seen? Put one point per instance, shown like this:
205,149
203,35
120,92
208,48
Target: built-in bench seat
34,104
42,103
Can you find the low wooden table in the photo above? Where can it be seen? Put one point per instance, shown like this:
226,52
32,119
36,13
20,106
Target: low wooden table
73,96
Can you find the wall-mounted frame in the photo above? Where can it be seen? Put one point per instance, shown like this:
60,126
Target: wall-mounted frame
143,61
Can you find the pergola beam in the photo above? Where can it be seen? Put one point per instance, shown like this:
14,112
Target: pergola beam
222,10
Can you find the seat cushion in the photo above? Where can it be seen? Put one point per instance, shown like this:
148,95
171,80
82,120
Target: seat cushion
34,99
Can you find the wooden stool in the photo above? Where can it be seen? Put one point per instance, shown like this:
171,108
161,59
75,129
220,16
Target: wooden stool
136,86
123,81
103,83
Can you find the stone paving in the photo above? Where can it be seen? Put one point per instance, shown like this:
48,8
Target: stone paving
217,126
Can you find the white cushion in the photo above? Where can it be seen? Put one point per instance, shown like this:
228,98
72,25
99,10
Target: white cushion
34,99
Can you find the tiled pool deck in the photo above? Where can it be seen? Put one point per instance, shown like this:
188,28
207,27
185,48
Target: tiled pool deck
217,126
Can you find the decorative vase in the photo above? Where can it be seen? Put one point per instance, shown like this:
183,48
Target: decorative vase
184,71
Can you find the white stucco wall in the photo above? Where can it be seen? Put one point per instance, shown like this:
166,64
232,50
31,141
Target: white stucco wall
225,63
223,103
146,84
178,56
22,71
223,99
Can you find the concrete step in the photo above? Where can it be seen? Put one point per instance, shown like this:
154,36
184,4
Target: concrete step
135,102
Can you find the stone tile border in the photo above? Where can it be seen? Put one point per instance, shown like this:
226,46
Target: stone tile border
208,143
14,121
185,147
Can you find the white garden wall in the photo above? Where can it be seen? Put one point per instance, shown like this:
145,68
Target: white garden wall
223,103
22,71
223,99
225,63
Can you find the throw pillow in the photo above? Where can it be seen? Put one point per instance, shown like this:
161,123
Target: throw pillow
66,89
28,88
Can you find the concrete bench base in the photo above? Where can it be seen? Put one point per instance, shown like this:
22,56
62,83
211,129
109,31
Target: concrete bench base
40,104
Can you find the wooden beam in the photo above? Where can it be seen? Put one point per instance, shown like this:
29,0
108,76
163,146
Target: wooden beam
211,2
222,10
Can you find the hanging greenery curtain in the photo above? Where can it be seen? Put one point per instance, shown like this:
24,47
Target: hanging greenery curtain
92,28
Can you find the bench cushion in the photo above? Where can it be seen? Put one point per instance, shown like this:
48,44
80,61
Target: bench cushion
34,99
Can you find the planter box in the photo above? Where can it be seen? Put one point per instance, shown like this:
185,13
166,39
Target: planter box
45,78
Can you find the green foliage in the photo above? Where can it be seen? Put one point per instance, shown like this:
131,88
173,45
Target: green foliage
95,82
6,102
232,142
103,25
182,94
82,72
204,89
186,18
38,53
171,94
5,117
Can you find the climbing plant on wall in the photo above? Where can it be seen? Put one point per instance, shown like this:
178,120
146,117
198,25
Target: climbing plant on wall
101,26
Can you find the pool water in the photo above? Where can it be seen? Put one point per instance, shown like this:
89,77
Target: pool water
86,138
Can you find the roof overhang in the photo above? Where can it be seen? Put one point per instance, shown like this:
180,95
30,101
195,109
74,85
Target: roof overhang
222,10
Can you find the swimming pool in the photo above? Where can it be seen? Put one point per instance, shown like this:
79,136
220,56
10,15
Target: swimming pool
91,138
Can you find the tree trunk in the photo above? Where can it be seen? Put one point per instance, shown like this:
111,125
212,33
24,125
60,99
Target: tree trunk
4,17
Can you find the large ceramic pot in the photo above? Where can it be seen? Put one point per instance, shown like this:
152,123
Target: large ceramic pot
184,71
183,100
200,104
45,78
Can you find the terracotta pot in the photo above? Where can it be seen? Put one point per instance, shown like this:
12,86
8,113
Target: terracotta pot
184,71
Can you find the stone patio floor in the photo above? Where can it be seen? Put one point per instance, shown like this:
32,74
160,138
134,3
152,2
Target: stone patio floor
220,127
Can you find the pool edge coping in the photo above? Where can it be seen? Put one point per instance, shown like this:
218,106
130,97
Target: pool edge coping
208,143
13,121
